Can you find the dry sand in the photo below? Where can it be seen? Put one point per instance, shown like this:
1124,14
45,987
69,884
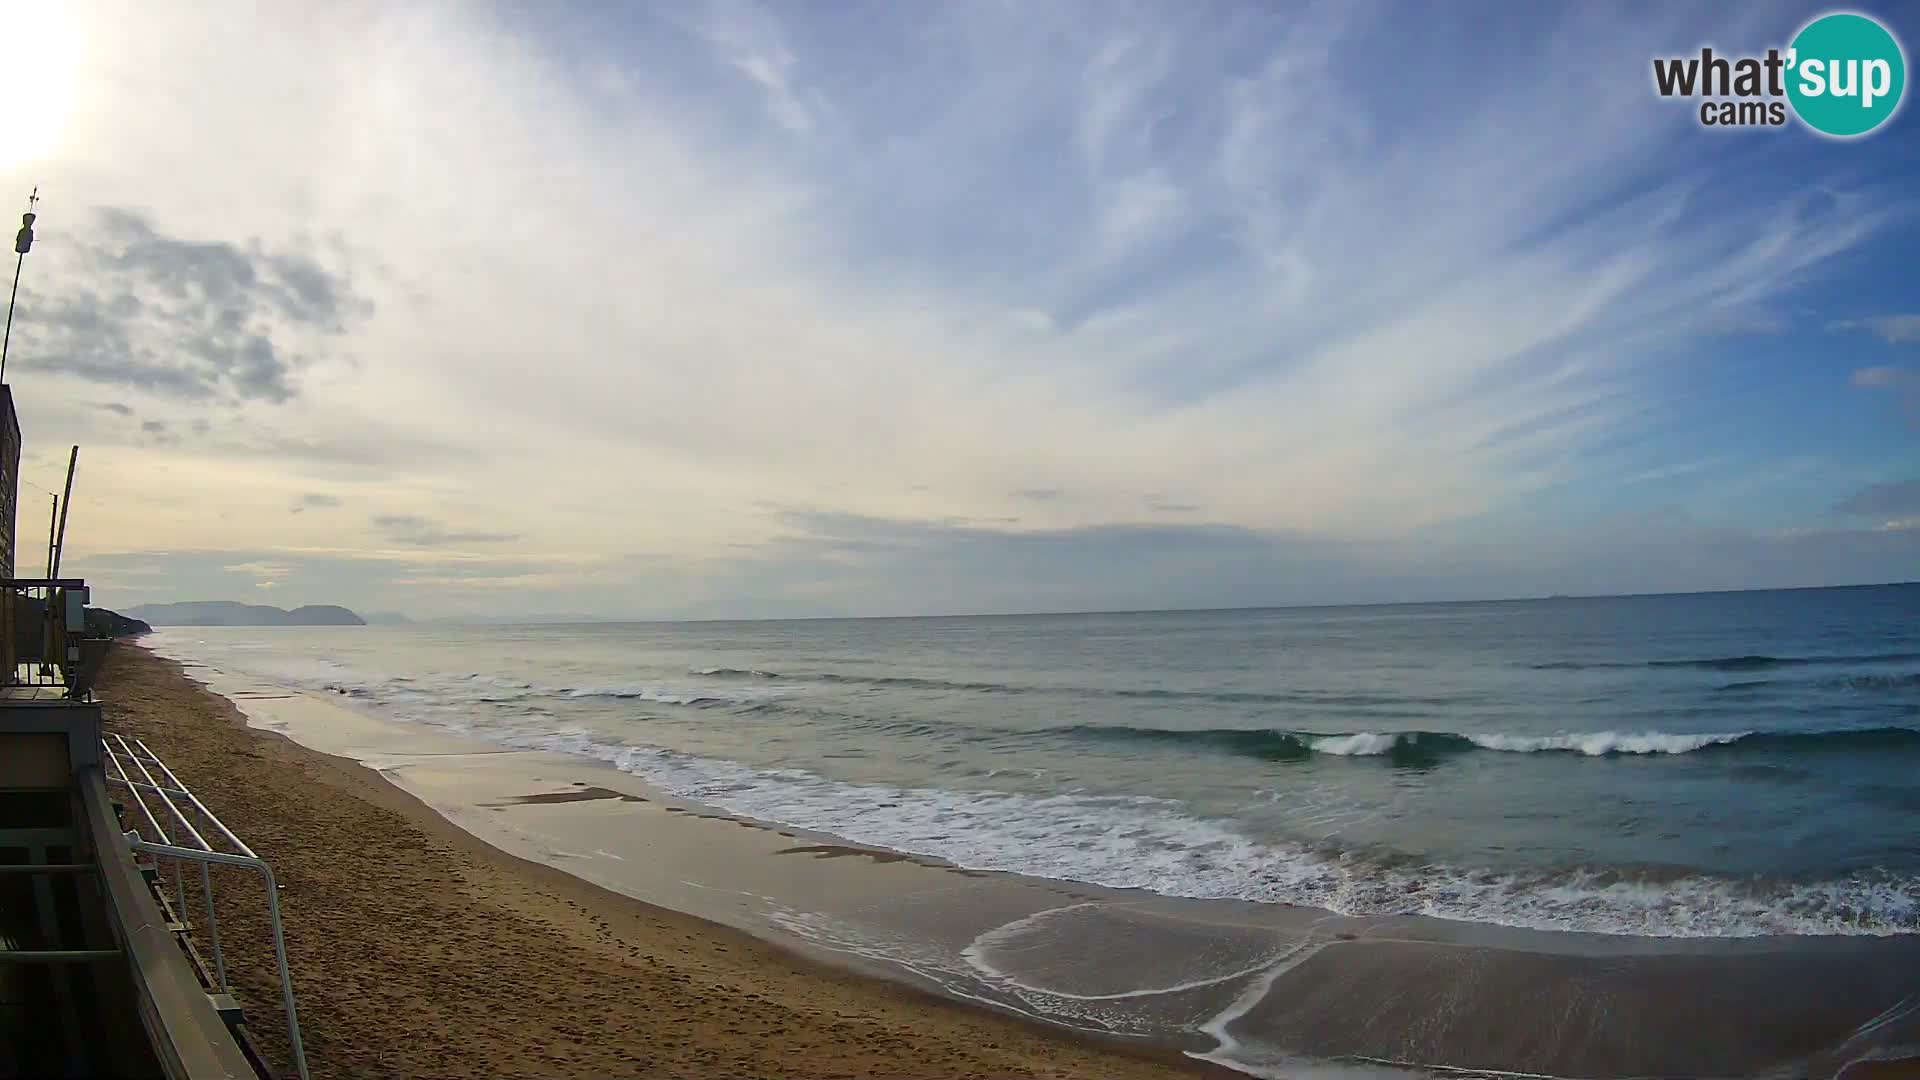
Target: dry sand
417,950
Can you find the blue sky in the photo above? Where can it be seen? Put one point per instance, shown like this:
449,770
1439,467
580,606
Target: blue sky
744,309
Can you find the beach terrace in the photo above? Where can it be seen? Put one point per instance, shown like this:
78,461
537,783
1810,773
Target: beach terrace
99,974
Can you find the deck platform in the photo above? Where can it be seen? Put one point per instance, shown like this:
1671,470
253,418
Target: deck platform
93,979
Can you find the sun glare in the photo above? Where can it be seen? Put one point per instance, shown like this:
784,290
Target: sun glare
38,80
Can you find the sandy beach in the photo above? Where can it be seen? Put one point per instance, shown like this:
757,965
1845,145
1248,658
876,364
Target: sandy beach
418,950
458,906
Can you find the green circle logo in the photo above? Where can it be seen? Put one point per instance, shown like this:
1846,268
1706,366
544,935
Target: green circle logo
1846,75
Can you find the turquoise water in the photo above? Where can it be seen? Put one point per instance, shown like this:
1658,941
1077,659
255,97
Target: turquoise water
1703,765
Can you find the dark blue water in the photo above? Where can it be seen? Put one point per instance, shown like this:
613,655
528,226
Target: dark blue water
1724,764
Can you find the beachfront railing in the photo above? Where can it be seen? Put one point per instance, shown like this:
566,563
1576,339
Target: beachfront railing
188,842
45,649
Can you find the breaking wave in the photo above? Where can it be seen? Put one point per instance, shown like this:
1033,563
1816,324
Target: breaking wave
1155,844
1427,746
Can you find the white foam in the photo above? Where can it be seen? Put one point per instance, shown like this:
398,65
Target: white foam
1006,936
1153,844
1227,1049
662,695
1158,845
1600,743
1364,744
1590,743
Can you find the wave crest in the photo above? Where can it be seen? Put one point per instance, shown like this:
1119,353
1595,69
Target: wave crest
1154,844
1602,743
1415,747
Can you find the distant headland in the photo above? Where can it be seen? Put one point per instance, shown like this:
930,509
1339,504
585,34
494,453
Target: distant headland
229,613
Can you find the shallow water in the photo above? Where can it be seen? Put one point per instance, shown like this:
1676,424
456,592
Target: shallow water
1710,765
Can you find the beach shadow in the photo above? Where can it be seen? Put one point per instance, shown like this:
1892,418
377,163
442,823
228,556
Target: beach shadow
837,851
587,794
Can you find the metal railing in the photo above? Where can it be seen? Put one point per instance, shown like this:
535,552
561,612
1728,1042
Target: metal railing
165,787
44,642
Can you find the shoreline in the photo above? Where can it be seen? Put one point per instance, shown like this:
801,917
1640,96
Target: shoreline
436,953
1167,983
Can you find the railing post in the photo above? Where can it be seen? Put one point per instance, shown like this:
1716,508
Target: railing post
213,928
297,1047
286,977
206,856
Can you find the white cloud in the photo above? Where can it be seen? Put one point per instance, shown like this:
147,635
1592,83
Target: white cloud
1902,383
259,569
1886,378
1893,329
1129,261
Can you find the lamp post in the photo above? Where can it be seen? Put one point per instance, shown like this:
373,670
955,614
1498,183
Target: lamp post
22,243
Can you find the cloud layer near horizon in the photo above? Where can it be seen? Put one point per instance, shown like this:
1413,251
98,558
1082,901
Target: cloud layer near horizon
721,308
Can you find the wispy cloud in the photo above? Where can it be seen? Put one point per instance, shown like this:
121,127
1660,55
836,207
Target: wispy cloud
1886,378
1160,504
1316,272
1903,383
1894,500
1678,469
1893,329
418,531
749,39
259,569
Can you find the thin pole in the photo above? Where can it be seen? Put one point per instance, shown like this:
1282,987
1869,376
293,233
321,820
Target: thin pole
22,242
46,608
8,340
273,921
213,928
66,500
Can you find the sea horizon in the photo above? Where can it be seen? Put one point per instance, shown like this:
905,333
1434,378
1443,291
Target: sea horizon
585,620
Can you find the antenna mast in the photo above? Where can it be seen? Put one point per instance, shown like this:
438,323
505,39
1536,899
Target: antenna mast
22,243
66,502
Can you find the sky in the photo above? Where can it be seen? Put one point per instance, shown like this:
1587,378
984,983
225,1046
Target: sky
697,310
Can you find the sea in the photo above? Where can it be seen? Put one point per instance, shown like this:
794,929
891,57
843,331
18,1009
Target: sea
1681,766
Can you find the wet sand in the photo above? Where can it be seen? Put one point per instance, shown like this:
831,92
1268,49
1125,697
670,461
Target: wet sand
418,950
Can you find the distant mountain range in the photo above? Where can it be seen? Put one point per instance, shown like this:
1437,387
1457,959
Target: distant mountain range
228,613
